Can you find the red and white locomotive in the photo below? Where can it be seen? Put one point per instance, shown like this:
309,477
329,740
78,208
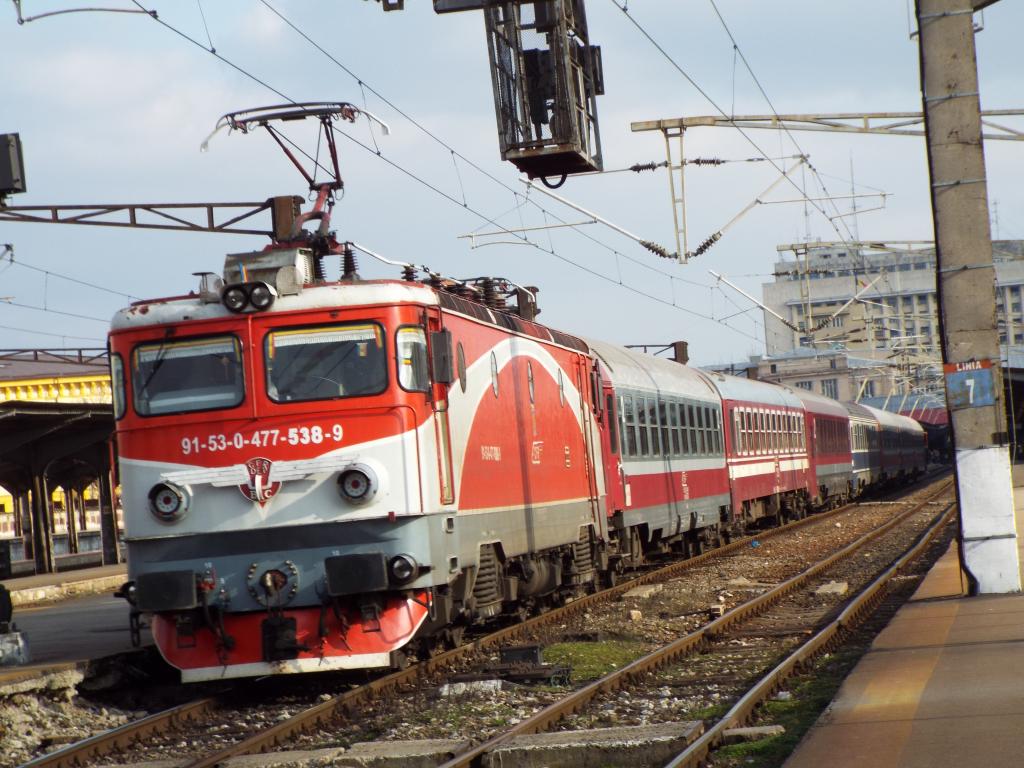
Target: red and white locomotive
331,475
325,475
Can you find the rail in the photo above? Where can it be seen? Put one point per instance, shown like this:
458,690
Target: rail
287,730
673,652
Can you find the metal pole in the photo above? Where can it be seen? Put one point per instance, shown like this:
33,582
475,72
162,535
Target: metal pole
965,280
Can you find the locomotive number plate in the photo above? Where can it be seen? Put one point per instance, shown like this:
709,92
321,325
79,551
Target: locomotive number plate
262,438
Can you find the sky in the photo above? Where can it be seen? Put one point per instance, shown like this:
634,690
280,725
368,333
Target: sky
113,107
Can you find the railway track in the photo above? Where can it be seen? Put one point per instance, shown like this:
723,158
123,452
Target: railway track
777,618
193,723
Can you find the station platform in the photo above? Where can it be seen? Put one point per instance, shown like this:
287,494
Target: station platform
942,685
49,588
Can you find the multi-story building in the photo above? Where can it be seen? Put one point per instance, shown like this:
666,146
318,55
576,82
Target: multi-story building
832,373
876,300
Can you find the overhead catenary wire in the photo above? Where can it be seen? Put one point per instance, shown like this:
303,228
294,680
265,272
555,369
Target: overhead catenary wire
771,106
455,154
551,251
68,278
376,151
11,302
643,31
50,333
445,195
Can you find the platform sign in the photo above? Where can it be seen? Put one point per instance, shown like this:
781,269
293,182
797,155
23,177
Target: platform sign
969,384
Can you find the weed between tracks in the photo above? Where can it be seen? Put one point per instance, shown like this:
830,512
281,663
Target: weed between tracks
589,661
812,692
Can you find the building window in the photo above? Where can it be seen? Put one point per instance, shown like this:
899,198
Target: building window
830,388
808,385
869,389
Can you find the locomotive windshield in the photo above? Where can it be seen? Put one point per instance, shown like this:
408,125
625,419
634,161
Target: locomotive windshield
189,375
326,362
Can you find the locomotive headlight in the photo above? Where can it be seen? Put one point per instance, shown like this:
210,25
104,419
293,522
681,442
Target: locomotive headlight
402,569
262,296
235,298
357,484
168,502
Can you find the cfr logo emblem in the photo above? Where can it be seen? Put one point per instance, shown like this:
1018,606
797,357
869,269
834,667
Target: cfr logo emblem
259,488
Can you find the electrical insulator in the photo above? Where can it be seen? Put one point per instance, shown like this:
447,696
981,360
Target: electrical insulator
638,167
707,243
657,249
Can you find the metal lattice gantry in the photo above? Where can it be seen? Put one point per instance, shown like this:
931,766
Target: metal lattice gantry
878,123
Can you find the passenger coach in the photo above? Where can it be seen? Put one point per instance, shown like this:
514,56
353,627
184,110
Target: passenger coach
766,449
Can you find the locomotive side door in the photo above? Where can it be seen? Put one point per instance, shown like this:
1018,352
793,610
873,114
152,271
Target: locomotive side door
442,374
584,383
611,443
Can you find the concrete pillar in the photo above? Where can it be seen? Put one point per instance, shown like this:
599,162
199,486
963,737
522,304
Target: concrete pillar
965,282
108,519
42,525
71,515
23,518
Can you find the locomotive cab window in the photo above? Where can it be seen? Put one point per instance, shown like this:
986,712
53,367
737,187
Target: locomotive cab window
326,362
411,351
117,385
187,375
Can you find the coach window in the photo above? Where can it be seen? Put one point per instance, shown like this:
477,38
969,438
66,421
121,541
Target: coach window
561,386
641,425
411,351
494,374
701,448
718,432
629,425
684,438
666,447
677,445
609,414
117,384
529,383
691,429
187,375
652,421
623,444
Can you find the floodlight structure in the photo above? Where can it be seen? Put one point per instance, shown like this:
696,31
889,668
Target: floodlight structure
12,164
546,78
